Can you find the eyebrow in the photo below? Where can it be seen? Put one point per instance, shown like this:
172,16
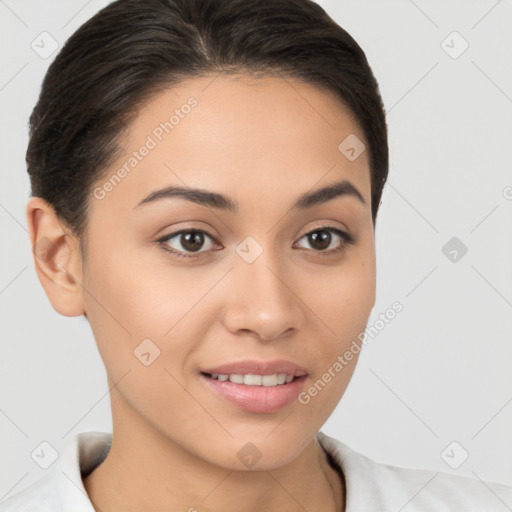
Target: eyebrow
219,201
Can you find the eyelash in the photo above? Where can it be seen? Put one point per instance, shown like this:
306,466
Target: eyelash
346,237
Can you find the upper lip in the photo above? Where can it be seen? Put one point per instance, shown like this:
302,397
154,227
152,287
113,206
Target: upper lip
258,368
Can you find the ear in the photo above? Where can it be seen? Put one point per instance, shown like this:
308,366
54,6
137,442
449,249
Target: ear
56,257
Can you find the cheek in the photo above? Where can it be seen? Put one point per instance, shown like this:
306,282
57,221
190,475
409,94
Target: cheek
139,291
343,298
341,304
146,325
134,297
352,299
345,311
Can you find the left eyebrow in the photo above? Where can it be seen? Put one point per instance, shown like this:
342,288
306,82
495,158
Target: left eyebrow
322,195
219,201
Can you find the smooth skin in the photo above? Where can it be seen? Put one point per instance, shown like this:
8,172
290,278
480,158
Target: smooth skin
263,142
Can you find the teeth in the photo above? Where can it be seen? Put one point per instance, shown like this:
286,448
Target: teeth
250,379
253,380
269,380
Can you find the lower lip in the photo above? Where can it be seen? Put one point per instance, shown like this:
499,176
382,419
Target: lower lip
262,399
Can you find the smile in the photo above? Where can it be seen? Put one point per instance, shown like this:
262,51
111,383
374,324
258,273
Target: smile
249,379
256,386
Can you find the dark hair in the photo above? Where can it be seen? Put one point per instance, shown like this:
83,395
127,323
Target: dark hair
132,49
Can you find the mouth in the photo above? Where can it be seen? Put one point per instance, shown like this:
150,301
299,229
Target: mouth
262,387
250,379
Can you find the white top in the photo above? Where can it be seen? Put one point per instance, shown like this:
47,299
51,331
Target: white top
370,486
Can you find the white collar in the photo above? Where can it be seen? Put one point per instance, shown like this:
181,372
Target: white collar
369,485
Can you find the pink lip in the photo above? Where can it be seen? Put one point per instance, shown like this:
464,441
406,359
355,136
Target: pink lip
259,368
259,399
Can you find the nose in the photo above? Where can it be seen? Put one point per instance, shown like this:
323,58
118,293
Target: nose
262,299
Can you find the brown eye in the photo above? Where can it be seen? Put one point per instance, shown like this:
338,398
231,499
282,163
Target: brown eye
324,240
320,239
192,241
186,241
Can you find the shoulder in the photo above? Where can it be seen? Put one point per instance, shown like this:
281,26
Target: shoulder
62,487
375,486
38,497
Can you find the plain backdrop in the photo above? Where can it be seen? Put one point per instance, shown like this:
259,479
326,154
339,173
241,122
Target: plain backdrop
435,384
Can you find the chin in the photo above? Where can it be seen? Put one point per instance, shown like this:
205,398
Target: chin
263,452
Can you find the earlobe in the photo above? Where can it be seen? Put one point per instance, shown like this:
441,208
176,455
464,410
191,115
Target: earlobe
56,258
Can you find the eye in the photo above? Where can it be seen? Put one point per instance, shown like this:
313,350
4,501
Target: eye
323,241
187,240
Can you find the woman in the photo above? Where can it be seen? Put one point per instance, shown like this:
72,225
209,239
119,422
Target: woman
206,177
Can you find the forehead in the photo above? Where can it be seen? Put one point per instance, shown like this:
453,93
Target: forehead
269,137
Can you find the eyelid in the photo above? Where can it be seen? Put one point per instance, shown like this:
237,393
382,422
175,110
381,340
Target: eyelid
327,226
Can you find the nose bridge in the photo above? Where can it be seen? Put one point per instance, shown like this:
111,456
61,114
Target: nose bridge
262,300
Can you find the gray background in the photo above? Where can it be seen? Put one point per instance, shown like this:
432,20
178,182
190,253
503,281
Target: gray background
440,371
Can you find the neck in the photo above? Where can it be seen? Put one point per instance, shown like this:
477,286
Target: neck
145,470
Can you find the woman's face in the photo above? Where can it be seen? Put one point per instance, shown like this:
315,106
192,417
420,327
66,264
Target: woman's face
256,289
